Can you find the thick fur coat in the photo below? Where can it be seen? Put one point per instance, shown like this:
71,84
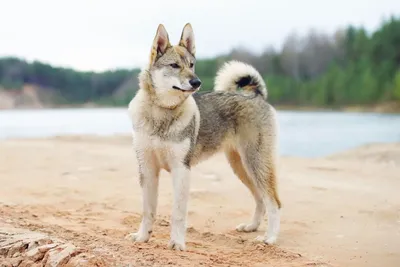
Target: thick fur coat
174,128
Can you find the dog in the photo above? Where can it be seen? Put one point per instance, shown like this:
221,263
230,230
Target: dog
175,127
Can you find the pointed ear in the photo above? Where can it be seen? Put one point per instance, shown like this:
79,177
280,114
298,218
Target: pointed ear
187,39
160,44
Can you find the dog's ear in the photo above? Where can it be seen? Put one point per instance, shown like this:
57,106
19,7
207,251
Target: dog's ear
187,39
160,44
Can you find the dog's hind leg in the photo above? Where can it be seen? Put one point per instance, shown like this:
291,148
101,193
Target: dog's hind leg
260,162
237,165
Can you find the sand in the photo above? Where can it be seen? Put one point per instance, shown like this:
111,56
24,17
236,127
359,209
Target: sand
342,210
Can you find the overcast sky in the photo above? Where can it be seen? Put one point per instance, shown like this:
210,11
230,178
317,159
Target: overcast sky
100,34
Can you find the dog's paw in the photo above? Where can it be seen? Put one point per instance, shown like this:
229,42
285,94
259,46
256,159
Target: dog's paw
175,245
138,237
243,227
266,240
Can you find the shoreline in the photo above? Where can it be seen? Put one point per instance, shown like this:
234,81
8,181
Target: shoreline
389,108
126,137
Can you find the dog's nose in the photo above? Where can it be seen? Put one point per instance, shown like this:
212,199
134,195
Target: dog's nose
195,83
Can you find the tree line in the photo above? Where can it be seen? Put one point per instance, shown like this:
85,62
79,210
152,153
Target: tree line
348,67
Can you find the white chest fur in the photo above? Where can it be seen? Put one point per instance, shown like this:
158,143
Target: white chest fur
151,148
165,154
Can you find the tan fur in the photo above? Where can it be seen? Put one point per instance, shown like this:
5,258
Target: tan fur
235,162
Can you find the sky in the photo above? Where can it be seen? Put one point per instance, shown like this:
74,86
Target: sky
99,35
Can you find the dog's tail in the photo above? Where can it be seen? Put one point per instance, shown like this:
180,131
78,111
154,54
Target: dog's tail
234,74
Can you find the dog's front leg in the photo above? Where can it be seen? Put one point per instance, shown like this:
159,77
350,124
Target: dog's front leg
181,187
148,174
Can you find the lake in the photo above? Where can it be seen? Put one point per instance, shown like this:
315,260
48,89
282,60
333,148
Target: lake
302,133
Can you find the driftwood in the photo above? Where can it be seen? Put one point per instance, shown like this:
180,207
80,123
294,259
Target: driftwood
23,248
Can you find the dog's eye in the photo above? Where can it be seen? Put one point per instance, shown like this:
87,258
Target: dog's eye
174,65
191,65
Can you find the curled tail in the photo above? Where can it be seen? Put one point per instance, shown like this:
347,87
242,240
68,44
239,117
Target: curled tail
234,74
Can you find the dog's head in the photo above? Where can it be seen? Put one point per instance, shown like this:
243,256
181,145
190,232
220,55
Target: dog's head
172,68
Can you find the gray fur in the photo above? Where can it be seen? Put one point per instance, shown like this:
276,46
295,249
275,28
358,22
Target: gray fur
226,114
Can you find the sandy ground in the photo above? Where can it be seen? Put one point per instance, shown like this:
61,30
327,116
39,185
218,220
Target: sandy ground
342,210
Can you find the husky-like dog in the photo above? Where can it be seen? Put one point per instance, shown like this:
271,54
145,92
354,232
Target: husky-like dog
175,128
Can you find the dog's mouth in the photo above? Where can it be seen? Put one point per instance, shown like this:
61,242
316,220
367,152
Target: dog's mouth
185,90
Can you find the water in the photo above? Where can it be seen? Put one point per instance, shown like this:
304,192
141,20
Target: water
302,133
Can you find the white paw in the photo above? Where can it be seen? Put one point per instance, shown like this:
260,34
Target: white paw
175,245
267,240
138,237
243,227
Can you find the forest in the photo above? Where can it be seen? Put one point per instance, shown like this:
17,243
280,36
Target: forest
349,67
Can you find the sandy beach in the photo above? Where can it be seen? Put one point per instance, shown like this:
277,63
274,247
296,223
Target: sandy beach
341,210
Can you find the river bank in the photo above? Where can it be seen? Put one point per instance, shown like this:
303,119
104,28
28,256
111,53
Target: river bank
341,210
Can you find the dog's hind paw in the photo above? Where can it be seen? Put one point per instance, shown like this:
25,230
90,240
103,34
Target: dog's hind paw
174,245
138,237
267,240
243,227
